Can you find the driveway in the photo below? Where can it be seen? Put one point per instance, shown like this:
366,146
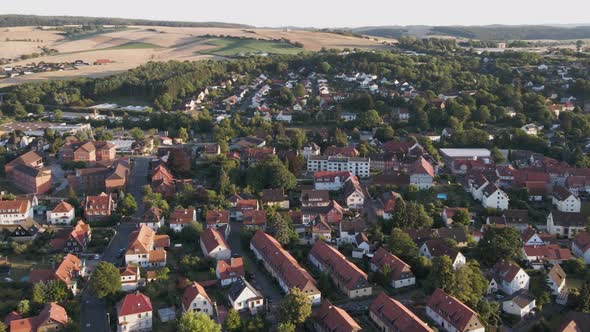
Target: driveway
137,180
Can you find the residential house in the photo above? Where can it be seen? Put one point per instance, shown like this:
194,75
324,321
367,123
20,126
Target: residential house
63,214
538,256
147,249
196,299
351,280
566,224
129,278
68,271
24,230
89,151
244,297
99,208
363,246
152,218
27,172
494,198
399,272
391,316
556,279
134,313
78,238
330,180
244,205
510,277
421,174
314,198
53,317
310,149
12,212
276,198
181,217
332,214
213,245
217,219
254,220
329,318
388,201
565,201
353,194
581,246
283,267
229,271
449,213
437,247
575,322
451,314
339,151
519,304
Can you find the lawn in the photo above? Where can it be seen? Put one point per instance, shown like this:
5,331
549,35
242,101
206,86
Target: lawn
100,240
238,47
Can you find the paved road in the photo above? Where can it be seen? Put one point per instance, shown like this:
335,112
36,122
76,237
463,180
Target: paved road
262,281
370,204
93,312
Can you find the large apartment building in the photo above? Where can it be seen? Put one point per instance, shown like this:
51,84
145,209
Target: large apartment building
358,166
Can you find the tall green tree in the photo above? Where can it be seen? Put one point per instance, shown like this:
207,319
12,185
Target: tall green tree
233,322
402,245
128,205
295,308
192,321
442,274
498,243
105,280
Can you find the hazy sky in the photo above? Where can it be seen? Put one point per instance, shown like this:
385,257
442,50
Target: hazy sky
320,13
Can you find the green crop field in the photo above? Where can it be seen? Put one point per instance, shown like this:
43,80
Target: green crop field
132,45
236,47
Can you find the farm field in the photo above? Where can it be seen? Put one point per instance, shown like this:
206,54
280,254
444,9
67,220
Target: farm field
136,45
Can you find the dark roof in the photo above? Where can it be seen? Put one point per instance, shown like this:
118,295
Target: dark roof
238,287
568,219
561,194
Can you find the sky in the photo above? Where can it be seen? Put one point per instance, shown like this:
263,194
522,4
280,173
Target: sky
319,13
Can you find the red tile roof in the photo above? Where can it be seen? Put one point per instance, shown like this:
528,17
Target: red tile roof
335,319
63,207
399,269
182,216
454,311
341,151
327,176
211,239
191,292
257,217
18,206
133,304
506,270
548,252
396,316
285,266
582,241
350,275
421,166
217,217
232,268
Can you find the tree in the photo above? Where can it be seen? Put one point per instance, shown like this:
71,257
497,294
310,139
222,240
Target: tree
369,119
105,280
498,243
579,44
497,156
233,322
402,245
50,291
2,327
442,274
137,133
183,134
340,138
23,307
286,327
128,205
461,217
417,216
295,308
470,284
583,298
57,115
270,173
400,214
280,227
192,231
192,321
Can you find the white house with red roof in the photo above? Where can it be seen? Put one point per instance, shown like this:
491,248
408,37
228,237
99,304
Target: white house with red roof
243,205
421,174
581,246
353,194
390,315
509,277
129,278
229,271
437,247
213,244
63,213
195,299
134,313
400,273
147,249
243,296
556,279
99,208
451,314
330,180
565,201
181,217
53,317
11,212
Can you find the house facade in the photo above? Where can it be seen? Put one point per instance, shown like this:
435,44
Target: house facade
63,214
134,313
451,314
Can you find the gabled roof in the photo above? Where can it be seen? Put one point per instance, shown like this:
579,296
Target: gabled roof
454,311
182,216
548,252
68,268
211,239
191,292
561,193
329,176
438,247
557,274
522,299
396,316
582,241
80,232
238,287
335,319
506,270
254,217
421,166
217,217
63,207
399,269
231,268
28,158
133,304
568,219
14,206
350,275
273,195
575,322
